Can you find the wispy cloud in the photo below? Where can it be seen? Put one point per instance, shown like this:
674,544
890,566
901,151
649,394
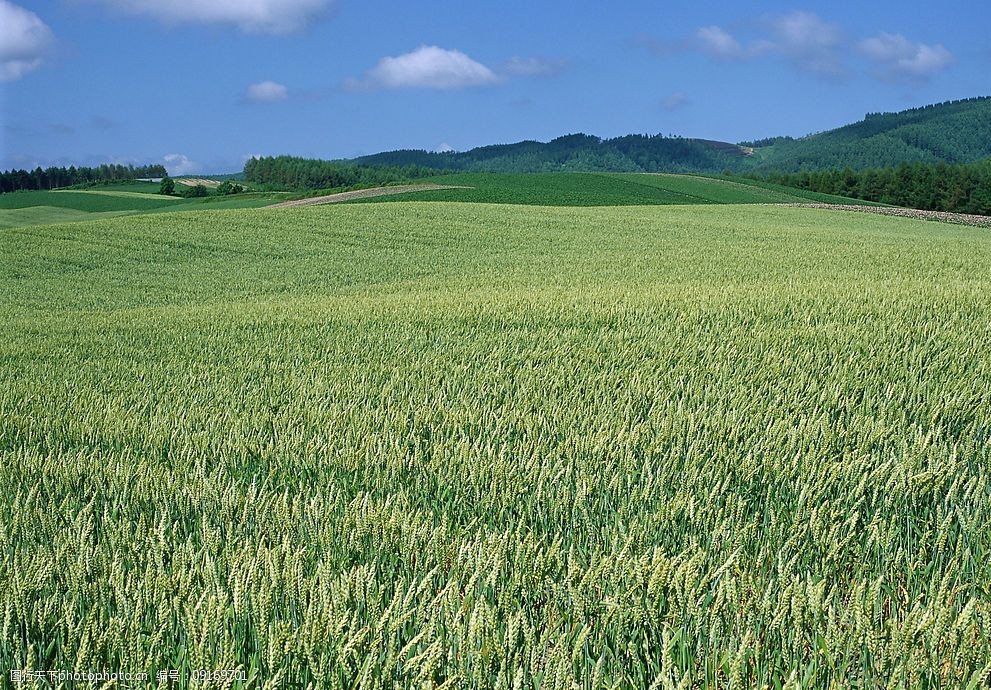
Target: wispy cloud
103,122
815,46
25,41
253,16
899,59
675,101
810,42
804,38
427,67
718,42
266,92
533,66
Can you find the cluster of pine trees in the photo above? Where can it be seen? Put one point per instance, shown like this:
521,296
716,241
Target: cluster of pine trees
53,178
962,188
289,172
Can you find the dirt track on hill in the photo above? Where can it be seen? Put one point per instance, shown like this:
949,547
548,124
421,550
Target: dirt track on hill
918,214
365,193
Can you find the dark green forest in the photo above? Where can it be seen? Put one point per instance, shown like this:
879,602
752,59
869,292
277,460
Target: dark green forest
289,172
53,178
952,132
578,153
964,188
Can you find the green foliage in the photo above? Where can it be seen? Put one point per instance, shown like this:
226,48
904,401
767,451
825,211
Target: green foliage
953,132
288,172
405,445
769,141
195,191
578,153
933,187
167,187
227,188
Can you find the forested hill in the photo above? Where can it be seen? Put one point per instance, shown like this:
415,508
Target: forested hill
953,132
579,153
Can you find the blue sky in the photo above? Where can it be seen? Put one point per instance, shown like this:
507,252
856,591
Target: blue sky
201,84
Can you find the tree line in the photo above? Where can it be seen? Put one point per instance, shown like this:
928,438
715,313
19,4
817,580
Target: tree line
963,188
290,172
578,153
53,178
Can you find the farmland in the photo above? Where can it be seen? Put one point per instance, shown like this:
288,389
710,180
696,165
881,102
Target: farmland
606,189
421,444
38,207
551,189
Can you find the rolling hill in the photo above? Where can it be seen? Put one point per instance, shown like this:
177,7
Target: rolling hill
579,153
606,189
954,132
18,209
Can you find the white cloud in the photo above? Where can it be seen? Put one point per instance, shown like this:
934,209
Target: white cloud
675,101
718,42
24,41
254,16
812,43
901,59
266,92
533,67
823,48
427,67
444,148
178,164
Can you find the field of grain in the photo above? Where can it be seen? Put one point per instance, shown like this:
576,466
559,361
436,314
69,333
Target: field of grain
397,445
25,208
606,189
84,200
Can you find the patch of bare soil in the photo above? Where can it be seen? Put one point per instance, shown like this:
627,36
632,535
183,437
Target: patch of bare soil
364,194
918,214
193,181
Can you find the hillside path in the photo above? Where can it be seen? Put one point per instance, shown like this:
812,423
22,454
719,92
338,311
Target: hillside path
365,193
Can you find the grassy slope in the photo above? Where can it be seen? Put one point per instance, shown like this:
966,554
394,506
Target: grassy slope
47,215
548,189
61,206
124,194
83,201
531,434
717,190
601,189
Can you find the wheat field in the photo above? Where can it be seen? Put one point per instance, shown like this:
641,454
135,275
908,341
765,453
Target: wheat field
423,445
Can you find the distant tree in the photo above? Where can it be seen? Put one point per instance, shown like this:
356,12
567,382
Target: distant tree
53,177
227,188
195,191
168,186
